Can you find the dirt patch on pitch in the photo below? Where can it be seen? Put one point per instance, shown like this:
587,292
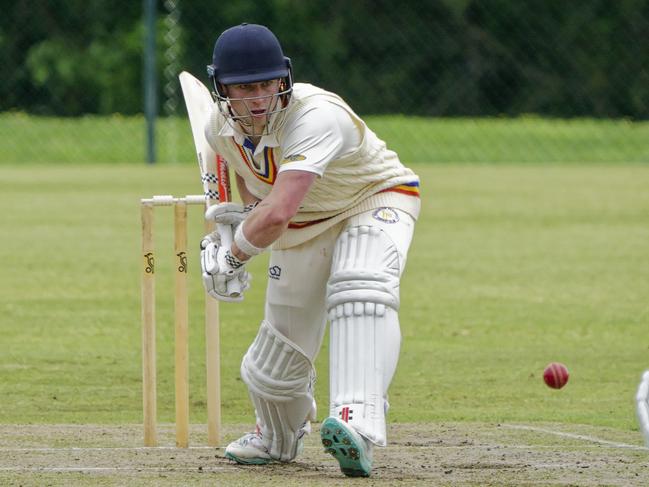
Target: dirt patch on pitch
437,454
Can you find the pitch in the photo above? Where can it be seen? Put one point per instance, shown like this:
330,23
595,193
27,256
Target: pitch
468,454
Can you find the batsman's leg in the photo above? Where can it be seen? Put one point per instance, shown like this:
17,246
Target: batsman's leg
363,304
280,381
278,366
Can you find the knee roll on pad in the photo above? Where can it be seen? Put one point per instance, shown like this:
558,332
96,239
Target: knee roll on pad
365,269
280,380
362,302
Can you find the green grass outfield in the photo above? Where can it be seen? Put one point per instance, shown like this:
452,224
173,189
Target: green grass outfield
528,139
511,267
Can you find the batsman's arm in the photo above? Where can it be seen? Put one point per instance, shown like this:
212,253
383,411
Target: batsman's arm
271,216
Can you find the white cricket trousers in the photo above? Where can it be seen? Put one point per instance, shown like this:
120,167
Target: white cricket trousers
297,283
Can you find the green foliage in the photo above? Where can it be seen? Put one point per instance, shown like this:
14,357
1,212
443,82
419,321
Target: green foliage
431,58
559,58
511,267
74,58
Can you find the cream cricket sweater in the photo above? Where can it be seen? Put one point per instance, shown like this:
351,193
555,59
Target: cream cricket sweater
368,177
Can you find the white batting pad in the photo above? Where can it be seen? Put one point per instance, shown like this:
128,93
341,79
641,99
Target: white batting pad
363,299
280,381
642,402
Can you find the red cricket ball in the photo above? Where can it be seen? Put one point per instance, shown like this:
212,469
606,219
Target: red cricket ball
556,375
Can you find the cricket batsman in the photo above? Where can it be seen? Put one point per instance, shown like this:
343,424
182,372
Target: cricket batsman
337,210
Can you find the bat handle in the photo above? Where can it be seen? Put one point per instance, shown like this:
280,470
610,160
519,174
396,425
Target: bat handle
225,231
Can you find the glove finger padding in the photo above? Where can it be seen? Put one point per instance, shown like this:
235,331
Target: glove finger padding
220,269
244,280
214,237
226,214
209,262
216,286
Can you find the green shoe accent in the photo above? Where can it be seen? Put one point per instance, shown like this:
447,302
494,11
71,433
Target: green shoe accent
346,446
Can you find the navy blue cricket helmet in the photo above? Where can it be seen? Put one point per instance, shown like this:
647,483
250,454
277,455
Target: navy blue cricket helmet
248,53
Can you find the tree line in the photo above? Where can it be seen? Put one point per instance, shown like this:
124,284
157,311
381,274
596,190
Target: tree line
427,57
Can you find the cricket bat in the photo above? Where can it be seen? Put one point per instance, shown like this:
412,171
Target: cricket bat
214,169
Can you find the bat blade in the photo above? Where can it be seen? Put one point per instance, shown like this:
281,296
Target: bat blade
213,168
199,107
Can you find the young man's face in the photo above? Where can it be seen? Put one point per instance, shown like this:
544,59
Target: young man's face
253,102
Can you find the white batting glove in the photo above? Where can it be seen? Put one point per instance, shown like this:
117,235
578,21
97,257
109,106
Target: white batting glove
231,214
213,237
226,214
221,269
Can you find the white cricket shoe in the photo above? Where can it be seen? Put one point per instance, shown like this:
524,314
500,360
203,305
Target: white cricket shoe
353,452
248,450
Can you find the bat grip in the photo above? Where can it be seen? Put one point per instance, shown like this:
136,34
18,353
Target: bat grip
225,231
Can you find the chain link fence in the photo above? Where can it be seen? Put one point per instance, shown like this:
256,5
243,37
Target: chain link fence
439,80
